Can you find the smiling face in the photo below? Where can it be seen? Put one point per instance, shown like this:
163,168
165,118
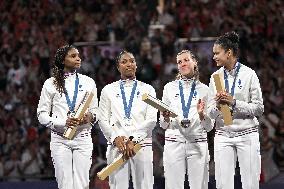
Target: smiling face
221,57
127,66
186,64
72,60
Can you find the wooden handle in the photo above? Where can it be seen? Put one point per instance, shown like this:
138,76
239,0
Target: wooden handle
158,104
227,116
116,164
80,111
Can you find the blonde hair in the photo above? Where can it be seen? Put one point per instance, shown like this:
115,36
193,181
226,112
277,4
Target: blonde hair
196,70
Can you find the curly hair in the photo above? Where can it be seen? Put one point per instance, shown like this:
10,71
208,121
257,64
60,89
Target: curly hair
58,67
229,40
196,70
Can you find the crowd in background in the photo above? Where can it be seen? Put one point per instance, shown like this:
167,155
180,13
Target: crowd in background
31,31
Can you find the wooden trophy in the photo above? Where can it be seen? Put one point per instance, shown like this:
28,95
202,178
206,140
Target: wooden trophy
158,104
116,164
79,114
227,116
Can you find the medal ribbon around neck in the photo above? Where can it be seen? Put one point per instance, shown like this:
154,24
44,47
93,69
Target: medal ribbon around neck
127,108
71,105
234,83
185,108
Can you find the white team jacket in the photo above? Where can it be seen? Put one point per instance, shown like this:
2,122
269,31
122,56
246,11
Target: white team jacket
111,112
248,95
198,128
52,108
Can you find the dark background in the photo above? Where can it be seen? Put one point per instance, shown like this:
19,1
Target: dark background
31,31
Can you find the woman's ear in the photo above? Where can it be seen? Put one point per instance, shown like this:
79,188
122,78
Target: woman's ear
229,53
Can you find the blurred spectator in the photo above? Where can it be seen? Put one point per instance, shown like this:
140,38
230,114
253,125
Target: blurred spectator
268,166
31,161
279,149
12,167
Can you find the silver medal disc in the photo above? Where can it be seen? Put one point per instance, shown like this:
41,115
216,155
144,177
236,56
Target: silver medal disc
185,123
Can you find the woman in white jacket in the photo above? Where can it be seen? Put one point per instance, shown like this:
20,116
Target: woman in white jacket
186,148
243,95
125,119
60,95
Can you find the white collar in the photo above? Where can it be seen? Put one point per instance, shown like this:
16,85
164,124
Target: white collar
127,82
69,74
232,71
185,79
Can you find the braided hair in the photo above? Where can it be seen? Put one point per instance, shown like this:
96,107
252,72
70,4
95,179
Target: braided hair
58,67
229,40
196,70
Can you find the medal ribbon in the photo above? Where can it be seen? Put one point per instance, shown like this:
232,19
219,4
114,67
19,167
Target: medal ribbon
71,105
234,83
127,108
185,108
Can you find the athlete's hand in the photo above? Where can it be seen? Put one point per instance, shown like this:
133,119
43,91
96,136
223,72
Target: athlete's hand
72,122
200,108
225,98
218,97
119,142
88,117
129,152
166,115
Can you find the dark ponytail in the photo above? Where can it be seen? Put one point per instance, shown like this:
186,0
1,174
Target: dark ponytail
229,40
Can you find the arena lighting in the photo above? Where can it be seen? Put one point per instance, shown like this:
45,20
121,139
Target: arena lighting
96,43
196,39
119,43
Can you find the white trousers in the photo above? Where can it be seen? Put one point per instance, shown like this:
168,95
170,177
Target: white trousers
244,148
181,157
72,161
140,167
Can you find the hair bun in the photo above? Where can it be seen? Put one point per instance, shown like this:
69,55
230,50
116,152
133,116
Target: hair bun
232,36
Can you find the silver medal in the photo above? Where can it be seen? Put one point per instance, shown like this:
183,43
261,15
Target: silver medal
185,123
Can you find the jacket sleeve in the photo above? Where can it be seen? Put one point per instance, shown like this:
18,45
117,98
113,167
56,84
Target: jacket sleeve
173,121
93,109
206,123
212,110
104,115
165,99
149,122
45,107
253,108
